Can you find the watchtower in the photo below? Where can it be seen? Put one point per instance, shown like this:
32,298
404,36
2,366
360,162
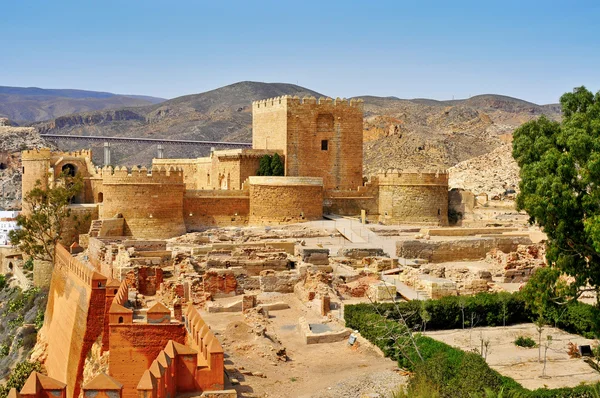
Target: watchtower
319,138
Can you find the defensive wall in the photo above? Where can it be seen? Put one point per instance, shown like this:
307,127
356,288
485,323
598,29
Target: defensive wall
413,197
279,200
74,318
319,138
151,204
207,208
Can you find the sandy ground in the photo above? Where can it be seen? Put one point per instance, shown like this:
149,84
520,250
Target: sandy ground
316,370
522,363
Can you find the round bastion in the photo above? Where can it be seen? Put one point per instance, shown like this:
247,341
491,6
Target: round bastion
151,204
283,200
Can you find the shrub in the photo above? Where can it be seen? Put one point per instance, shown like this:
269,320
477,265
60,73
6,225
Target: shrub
2,282
28,265
526,342
18,376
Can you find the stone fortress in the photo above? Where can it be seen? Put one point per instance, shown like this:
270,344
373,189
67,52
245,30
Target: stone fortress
320,142
159,253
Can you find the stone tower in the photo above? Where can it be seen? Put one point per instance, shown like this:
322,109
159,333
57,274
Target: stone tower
321,138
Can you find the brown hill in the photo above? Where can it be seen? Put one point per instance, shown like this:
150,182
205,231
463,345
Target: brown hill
398,133
32,104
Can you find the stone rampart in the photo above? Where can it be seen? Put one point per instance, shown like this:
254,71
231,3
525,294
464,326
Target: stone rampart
413,197
209,208
74,318
281,200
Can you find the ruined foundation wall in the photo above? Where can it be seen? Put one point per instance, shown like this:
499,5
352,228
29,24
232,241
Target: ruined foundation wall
459,249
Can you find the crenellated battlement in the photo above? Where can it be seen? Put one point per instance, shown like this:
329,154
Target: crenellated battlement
84,272
136,175
46,153
291,101
412,177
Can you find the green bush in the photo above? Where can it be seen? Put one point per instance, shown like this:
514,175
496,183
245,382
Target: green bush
526,342
445,371
2,282
18,376
28,265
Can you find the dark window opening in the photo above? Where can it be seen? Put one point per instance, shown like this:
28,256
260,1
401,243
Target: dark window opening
10,266
3,166
116,291
69,170
439,212
324,145
100,197
120,319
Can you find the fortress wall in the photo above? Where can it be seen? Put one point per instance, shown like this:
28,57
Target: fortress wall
133,348
151,204
79,223
418,198
202,209
74,318
281,200
269,124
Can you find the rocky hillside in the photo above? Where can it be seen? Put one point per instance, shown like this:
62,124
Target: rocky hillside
34,104
492,173
224,114
12,141
398,133
439,134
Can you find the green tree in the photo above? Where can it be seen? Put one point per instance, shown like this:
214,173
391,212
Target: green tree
560,184
19,376
45,221
264,166
277,168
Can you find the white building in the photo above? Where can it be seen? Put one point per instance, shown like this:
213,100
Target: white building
8,222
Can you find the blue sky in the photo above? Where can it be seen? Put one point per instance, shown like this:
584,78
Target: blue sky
534,50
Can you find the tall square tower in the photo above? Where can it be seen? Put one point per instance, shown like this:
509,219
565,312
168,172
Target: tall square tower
321,138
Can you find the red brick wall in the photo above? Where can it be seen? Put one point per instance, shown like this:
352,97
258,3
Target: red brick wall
133,347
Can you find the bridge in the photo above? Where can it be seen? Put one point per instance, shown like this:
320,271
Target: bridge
138,140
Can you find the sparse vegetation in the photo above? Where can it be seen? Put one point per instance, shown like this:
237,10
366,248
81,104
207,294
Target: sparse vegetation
18,376
526,342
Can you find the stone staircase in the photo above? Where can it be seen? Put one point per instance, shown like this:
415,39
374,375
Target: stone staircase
95,228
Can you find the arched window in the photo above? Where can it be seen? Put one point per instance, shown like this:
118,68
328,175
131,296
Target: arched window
116,290
120,319
100,197
69,170
10,266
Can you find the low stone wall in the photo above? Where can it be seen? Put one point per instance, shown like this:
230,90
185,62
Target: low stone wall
466,231
458,249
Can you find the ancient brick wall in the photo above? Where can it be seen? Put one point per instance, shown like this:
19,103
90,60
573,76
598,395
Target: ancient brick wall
280,200
215,208
319,138
133,348
413,197
151,204
74,318
79,222
36,164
